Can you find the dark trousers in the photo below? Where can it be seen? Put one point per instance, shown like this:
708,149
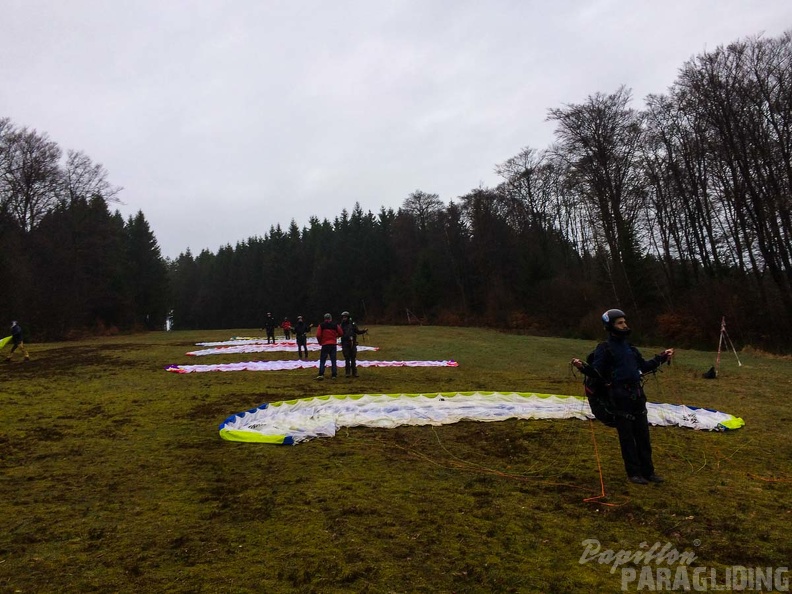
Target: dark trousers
18,344
350,357
328,350
286,334
302,343
270,335
633,428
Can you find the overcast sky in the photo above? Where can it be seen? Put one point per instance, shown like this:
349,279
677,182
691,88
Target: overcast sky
223,118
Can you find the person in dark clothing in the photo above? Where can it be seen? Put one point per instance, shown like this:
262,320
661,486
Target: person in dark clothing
328,334
621,365
349,344
17,342
300,333
269,327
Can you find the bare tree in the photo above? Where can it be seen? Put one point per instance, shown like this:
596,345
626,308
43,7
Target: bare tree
686,223
598,142
424,207
742,94
6,131
30,175
82,178
526,203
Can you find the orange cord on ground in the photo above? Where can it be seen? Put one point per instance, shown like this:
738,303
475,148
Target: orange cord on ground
602,494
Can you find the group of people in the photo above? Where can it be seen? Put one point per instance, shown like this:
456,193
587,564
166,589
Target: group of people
327,334
300,329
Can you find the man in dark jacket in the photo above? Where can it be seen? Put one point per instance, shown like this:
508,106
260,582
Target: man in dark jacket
269,326
300,333
17,342
621,365
328,334
349,344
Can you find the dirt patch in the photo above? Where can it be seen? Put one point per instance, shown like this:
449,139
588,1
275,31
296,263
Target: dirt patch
208,410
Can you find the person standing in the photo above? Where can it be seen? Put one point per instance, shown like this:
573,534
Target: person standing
300,334
621,366
287,328
328,334
349,335
17,342
269,327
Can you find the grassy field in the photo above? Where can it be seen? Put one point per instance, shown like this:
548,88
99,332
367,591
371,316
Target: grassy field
114,478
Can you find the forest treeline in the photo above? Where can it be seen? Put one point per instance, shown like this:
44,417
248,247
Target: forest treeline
68,265
677,212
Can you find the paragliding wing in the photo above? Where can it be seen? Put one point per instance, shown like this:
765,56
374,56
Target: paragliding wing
294,421
290,365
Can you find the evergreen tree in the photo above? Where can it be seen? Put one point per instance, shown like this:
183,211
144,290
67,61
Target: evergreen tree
147,275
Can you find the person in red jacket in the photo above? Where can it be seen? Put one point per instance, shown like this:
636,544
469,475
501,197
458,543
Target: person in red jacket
328,334
287,328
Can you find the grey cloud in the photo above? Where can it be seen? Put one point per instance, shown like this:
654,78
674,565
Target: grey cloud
221,119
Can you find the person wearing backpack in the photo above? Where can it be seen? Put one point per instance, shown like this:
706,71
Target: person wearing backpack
300,333
620,366
349,344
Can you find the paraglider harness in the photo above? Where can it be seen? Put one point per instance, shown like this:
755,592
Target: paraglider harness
351,332
598,393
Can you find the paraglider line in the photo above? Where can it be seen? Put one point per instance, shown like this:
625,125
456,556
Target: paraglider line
602,495
459,464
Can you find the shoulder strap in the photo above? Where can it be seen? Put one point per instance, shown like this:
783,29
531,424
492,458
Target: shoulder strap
608,350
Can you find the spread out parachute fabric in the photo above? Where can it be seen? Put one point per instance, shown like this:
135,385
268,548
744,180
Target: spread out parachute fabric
288,365
238,340
242,340
293,421
4,341
264,348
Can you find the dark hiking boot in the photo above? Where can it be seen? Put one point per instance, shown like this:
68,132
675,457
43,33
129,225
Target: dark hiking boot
320,377
655,479
638,480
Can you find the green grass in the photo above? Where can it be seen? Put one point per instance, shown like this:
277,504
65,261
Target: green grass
114,477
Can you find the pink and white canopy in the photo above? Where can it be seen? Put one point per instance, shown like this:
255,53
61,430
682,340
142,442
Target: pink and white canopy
299,364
